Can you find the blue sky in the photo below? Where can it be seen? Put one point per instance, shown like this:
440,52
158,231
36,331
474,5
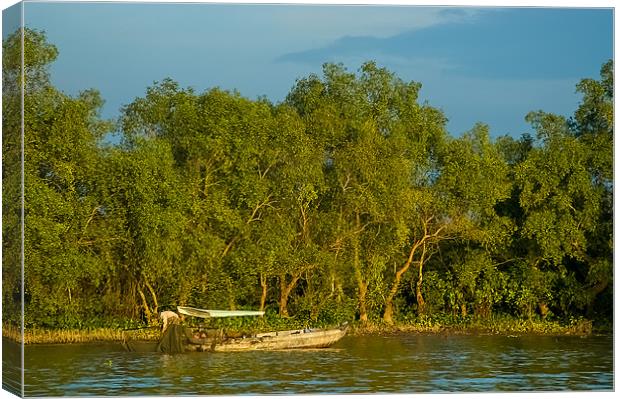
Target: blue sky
478,64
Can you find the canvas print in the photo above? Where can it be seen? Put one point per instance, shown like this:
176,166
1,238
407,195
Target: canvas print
203,199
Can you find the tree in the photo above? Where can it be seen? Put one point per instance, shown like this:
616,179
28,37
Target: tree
593,124
557,194
61,135
38,55
11,179
473,182
563,186
145,200
371,126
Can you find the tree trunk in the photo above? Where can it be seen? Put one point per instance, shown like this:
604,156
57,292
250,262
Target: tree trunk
284,306
132,305
418,288
419,298
363,288
145,306
263,296
361,284
388,313
153,295
228,247
285,291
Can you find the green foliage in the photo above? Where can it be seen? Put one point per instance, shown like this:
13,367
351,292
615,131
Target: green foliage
38,54
349,199
557,192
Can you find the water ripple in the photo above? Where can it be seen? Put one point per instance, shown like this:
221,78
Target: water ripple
393,364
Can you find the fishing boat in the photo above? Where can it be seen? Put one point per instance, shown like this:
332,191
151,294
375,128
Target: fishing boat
276,340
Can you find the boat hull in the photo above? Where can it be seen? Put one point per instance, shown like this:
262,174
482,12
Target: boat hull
281,340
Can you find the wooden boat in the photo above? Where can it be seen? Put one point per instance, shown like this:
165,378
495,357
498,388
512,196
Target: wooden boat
276,340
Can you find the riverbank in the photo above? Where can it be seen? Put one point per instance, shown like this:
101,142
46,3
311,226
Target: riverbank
499,326
493,326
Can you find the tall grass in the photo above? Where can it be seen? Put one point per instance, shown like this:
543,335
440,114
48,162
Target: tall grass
70,336
12,332
499,324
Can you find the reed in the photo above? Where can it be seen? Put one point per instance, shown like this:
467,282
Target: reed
494,325
70,336
12,332
42,336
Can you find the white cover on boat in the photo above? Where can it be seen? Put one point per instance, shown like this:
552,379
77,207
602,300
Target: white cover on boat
207,313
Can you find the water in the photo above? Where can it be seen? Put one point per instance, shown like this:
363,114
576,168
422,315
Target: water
373,364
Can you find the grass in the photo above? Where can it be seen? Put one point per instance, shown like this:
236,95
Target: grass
73,336
500,325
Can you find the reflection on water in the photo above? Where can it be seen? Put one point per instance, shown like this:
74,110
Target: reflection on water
11,367
377,364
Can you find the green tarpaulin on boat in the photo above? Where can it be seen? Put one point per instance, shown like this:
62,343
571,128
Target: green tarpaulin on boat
174,339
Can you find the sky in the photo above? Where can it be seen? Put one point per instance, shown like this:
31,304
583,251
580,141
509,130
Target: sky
477,64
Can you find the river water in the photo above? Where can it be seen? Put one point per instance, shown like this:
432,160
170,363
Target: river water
409,363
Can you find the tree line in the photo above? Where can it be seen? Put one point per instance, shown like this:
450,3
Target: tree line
347,200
